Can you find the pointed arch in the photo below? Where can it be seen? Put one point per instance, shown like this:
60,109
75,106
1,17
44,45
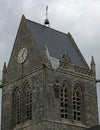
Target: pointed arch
77,102
17,106
64,99
28,101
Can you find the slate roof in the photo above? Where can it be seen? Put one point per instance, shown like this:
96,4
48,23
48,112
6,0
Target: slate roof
57,42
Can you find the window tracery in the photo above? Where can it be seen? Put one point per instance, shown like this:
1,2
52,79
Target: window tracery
17,104
28,102
64,100
76,103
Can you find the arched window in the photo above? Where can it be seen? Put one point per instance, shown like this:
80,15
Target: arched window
77,103
64,95
17,107
28,102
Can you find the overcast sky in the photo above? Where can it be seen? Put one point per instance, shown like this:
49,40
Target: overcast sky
79,17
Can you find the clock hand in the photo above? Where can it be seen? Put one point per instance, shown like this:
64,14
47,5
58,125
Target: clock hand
22,54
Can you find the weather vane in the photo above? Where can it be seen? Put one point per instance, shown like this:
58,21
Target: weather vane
46,22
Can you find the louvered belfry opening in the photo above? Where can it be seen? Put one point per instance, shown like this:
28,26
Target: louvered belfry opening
76,104
18,105
64,100
28,102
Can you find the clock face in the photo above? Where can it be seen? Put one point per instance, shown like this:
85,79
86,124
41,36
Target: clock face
22,55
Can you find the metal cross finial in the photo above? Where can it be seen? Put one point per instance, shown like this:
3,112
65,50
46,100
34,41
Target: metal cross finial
46,7
46,22
46,11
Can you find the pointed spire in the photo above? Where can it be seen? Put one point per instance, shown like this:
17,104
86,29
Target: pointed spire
92,61
47,59
45,54
93,67
4,67
23,16
4,73
66,58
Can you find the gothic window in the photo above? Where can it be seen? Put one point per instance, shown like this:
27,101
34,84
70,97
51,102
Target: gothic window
76,103
17,106
28,102
64,100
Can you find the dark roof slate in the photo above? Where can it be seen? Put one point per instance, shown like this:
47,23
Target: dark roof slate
57,42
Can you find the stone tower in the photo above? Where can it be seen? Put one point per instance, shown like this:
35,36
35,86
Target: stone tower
47,84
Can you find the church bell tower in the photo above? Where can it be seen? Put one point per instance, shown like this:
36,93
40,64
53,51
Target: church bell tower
47,84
